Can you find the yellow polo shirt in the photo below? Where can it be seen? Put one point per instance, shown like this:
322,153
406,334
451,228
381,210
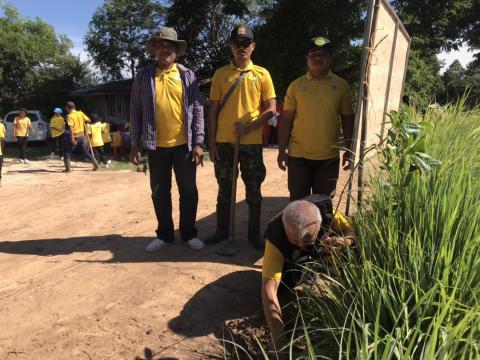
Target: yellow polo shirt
95,130
107,138
317,105
77,119
273,258
169,108
245,104
2,136
57,122
21,126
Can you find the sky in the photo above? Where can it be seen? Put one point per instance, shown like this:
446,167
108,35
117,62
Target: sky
72,17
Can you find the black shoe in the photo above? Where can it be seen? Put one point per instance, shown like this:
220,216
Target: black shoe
223,225
257,241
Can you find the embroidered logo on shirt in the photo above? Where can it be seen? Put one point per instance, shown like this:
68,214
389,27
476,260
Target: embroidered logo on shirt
333,87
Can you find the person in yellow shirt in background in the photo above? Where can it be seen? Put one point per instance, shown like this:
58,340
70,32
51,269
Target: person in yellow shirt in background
107,141
116,141
239,115
57,127
21,127
2,137
75,136
294,237
96,139
316,105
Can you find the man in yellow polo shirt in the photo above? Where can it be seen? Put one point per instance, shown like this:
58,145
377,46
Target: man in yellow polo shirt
57,127
243,114
75,136
316,105
294,237
167,119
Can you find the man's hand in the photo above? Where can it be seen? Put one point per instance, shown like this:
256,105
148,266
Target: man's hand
74,142
346,160
197,155
282,159
135,156
241,129
212,152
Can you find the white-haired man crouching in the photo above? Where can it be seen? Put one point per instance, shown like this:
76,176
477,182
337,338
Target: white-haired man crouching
290,237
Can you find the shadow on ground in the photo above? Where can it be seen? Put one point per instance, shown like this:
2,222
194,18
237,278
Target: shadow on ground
131,249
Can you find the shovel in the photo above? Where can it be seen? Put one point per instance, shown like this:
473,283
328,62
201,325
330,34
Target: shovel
230,248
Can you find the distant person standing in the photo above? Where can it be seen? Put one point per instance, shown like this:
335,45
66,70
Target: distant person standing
107,141
316,105
167,120
76,121
21,127
242,113
2,137
96,139
57,127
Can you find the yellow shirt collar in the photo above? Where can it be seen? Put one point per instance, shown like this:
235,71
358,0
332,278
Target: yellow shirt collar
310,77
249,66
173,69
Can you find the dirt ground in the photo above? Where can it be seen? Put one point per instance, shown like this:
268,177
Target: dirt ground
76,283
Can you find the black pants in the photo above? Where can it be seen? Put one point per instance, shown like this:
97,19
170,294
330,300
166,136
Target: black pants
307,177
22,146
161,161
57,145
99,154
107,148
68,148
1,164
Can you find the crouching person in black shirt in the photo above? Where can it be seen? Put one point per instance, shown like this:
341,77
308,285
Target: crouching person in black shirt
291,239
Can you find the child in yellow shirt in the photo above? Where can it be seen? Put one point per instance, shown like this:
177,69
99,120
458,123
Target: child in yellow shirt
107,140
116,141
96,139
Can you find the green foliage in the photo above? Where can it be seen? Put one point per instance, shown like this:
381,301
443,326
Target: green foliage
118,33
411,289
206,25
282,40
423,81
36,67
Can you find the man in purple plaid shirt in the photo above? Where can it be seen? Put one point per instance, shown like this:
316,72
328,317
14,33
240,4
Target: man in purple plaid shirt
167,120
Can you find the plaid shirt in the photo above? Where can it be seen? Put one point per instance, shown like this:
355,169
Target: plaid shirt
142,109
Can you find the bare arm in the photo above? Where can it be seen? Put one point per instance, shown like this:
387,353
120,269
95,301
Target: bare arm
347,129
273,311
284,133
213,112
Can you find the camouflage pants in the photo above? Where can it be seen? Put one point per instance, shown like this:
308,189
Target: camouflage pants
251,167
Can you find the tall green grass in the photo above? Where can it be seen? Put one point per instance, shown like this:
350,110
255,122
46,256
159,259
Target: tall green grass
412,289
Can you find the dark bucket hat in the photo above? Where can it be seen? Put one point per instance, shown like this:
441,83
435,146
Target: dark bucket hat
167,33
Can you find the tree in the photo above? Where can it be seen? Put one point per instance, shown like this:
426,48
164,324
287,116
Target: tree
283,39
36,66
118,33
206,25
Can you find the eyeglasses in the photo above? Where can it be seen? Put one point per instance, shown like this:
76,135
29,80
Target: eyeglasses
242,43
165,46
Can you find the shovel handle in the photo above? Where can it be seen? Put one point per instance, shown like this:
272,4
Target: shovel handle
233,199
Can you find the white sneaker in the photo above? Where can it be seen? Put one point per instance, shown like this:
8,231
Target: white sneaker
109,162
20,161
155,245
195,244
26,161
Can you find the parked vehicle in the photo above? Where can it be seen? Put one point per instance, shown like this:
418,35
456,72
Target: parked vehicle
39,124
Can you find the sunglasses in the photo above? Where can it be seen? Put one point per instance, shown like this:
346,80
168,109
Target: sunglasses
242,43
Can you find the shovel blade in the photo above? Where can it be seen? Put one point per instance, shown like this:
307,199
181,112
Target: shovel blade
227,249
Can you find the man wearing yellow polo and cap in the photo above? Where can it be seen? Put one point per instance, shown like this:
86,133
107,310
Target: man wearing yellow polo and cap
315,107
242,99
